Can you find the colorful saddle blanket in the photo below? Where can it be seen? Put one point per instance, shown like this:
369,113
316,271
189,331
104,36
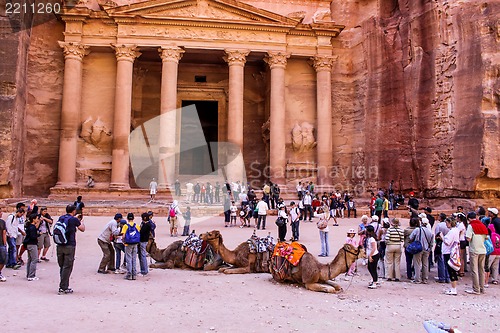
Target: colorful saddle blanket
194,251
292,252
259,245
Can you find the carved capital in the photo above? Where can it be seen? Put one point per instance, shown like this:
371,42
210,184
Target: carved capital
323,63
171,53
276,59
236,57
73,50
126,52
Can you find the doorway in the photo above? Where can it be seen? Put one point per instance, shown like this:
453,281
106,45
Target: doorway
200,158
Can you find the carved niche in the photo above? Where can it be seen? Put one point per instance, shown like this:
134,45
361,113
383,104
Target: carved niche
303,137
95,132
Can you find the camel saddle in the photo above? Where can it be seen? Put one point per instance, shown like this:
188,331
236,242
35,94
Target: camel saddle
194,251
285,257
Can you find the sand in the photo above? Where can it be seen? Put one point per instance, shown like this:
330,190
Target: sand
194,301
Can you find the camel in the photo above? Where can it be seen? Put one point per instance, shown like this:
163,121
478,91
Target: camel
317,276
242,260
173,257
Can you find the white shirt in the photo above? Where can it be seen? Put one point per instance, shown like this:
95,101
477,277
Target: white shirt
461,229
189,188
307,199
451,238
262,207
322,216
12,225
233,210
153,185
371,244
294,214
282,214
299,188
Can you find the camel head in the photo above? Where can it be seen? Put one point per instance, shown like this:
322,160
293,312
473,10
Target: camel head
213,237
353,253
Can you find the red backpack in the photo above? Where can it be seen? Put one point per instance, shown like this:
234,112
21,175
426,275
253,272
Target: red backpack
171,213
495,238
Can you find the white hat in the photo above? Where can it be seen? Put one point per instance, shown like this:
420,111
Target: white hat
493,210
422,215
351,231
375,218
425,220
385,220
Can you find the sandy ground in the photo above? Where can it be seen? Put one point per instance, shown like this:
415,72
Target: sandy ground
193,301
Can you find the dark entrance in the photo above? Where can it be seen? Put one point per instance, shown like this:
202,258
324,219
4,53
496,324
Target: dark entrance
201,159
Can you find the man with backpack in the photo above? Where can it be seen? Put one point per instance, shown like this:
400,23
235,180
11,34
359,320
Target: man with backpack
173,214
131,239
65,238
105,241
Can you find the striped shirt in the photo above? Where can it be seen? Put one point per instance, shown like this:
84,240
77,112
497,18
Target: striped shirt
394,236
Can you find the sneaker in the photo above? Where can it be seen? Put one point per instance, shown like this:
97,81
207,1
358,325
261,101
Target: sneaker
120,271
347,278
2,278
397,280
372,286
68,291
33,279
450,292
16,266
45,259
486,285
100,271
473,292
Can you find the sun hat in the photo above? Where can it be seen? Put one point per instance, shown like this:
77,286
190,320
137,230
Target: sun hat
493,210
375,218
351,231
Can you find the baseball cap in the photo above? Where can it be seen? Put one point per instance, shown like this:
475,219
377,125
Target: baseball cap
130,216
493,210
118,216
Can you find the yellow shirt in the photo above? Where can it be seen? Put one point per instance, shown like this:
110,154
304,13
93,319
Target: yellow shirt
386,204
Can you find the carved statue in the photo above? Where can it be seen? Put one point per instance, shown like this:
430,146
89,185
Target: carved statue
266,137
303,137
94,132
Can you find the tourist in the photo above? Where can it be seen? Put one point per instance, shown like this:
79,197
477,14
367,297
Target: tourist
421,260
210,193
462,227
494,219
153,224
299,190
275,192
234,213
476,235
90,182
382,245
307,200
385,207
266,191
20,236
441,231
131,239
284,217
105,243
187,221
30,242
301,210
494,258
262,208
189,191
197,190
413,205
12,226
372,203
79,204
3,246
119,249
451,239
243,198
341,208
227,210
32,208
323,233
66,252
153,188
217,192
44,233
351,207
414,223
379,206
145,231
351,241
372,255
362,230
173,217
294,221
203,193
177,188
394,238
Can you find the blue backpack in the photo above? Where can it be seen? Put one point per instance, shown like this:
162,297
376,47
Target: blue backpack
60,230
132,235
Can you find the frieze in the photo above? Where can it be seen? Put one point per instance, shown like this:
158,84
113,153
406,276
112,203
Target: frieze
73,50
236,57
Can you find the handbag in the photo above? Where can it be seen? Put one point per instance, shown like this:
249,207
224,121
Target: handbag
488,244
322,224
415,246
455,261
280,222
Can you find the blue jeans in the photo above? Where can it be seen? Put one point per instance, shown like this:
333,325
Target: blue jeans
442,270
325,247
12,260
119,248
409,265
131,259
143,260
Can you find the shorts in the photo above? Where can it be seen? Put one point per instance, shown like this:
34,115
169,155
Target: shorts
43,241
19,240
3,255
173,222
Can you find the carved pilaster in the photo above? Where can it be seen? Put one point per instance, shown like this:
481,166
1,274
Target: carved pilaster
323,63
126,52
73,50
276,59
236,57
171,53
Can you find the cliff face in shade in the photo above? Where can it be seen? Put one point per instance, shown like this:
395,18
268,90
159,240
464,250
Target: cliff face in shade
415,97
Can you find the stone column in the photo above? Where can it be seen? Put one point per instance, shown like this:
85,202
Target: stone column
70,113
323,67
170,57
236,60
125,56
277,159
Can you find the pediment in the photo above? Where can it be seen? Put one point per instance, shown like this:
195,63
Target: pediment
205,10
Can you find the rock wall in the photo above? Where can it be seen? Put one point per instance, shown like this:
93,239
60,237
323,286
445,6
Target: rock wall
416,96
